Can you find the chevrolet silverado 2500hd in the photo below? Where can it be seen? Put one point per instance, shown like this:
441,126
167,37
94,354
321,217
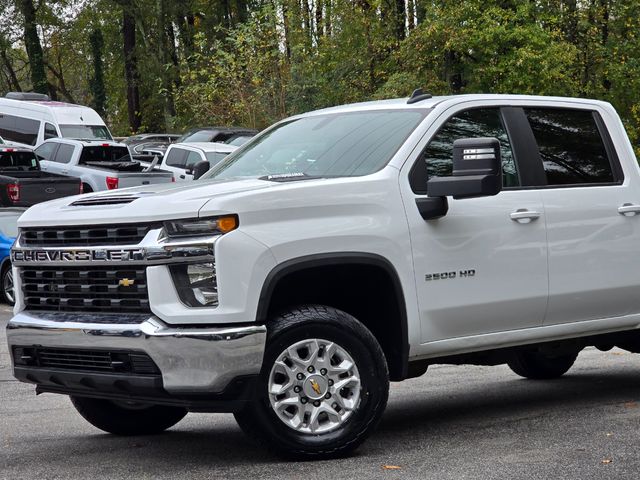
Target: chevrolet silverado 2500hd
336,251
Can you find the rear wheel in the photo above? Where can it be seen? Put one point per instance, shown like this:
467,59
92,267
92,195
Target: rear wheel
86,188
8,294
540,366
323,385
127,418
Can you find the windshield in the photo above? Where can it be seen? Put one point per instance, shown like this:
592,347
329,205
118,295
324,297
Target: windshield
238,141
215,157
86,132
332,145
18,161
199,136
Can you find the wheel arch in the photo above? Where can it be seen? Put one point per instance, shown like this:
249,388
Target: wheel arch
395,344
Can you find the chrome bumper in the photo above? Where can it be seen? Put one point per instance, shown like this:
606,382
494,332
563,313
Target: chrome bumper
191,360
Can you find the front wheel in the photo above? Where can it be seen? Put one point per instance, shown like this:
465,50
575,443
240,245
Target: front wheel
323,385
127,418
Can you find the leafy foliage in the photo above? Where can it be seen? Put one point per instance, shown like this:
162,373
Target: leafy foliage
252,62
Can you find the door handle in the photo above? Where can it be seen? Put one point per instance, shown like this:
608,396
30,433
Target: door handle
629,209
64,172
182,177
522,215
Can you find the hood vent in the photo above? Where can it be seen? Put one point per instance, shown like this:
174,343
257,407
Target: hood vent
106,200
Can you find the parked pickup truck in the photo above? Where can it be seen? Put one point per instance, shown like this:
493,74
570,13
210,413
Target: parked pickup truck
23,183
102,165
338,251
181,158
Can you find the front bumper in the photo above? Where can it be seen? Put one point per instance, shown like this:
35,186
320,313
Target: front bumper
192,360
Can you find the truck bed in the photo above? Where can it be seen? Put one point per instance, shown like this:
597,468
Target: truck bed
36,186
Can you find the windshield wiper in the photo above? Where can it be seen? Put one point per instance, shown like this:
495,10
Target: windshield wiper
291,177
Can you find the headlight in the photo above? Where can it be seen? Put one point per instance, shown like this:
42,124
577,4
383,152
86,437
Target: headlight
201,226
196,284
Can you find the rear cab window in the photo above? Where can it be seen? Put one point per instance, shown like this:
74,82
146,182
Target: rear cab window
573,149
99,153
18,161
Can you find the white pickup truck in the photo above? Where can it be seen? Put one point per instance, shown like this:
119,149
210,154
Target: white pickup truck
100,164
181,158
340,250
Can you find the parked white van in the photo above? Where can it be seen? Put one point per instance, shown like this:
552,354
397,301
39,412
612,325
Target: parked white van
31,118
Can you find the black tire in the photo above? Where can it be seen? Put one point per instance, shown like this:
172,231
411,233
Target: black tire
259,420
539,366
121,418
86,188
6,278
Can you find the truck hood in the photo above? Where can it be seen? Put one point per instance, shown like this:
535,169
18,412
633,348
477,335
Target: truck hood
138,204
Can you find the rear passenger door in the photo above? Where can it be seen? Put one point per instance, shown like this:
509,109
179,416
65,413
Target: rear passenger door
60,161
593,266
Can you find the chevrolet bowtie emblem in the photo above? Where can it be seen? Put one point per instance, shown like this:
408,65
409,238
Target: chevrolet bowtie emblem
315,386
125,282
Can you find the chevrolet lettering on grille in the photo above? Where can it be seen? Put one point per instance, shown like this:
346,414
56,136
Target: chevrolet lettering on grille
84,255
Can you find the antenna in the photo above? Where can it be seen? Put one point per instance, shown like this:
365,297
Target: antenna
417,96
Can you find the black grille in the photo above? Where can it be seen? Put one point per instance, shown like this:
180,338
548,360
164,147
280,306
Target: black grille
102,289
86,360
96,235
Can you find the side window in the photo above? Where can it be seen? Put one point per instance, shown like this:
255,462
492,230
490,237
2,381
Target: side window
46,151
18,129
570,145
176,157
64,153
437,157
192,159
50,131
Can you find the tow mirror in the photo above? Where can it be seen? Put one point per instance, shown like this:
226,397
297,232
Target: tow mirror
200,168
477,172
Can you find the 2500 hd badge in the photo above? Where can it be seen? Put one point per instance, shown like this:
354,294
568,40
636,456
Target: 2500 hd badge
449,275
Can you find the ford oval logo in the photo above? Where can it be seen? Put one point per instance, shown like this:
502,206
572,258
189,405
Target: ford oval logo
50,190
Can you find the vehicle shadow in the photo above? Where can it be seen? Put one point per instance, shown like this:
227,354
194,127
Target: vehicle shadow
518,398
413,413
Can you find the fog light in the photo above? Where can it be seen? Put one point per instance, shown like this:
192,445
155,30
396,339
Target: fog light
196,284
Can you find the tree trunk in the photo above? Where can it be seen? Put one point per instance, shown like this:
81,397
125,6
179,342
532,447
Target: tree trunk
131,68
400,20
421,11
33,47
287,30
242,10
604,30
96,84
306,18
167,53
411,11
319,26
12,78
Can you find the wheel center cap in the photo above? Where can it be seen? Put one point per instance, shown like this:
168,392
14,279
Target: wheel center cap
315,387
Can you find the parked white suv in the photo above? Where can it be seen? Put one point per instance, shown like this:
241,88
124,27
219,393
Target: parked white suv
339,250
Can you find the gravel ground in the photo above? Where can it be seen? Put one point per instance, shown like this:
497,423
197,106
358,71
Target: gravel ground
455,422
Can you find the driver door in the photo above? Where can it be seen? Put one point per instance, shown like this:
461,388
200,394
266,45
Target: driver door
482,268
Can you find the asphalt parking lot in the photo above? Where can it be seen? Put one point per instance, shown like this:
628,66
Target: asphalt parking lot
456,422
